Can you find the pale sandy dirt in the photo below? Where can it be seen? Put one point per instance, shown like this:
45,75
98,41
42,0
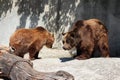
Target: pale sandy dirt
91,69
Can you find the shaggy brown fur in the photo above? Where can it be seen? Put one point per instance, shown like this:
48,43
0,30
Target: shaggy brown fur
30,40
87,36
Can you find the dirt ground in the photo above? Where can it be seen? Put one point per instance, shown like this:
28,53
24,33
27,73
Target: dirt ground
90,69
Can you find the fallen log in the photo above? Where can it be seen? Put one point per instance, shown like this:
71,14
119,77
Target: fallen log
17,68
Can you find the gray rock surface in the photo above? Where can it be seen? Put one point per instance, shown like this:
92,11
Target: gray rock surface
90,69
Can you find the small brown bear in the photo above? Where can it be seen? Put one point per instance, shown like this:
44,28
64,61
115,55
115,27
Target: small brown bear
87,36
30,40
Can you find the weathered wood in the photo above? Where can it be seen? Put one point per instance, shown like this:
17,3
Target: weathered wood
17,68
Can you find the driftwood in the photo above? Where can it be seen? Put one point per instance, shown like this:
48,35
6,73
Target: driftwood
17,68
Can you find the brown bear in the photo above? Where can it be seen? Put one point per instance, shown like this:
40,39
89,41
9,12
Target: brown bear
30,40
87,36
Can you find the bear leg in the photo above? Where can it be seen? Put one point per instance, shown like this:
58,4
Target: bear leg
32,52
104,50
20,55
82,57
36,55
85,53
31,55
103,47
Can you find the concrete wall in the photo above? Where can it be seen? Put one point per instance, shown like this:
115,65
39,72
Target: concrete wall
58,15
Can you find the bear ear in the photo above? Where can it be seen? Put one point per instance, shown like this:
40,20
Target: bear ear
79,23
74,35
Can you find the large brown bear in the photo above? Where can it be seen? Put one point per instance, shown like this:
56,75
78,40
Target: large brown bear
87,36
30,40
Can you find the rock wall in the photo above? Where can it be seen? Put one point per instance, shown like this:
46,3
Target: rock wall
57,16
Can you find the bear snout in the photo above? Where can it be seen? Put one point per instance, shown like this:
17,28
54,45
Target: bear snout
66,48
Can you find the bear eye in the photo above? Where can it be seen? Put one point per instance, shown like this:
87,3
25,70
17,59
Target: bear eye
72,34
68,40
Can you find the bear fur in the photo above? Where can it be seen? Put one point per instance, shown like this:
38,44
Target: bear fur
30,40
87,36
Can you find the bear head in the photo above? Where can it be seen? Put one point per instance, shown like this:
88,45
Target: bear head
50,40
70,40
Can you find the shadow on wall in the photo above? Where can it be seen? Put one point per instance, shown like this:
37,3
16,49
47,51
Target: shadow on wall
30,8
26,8
59,15
5,6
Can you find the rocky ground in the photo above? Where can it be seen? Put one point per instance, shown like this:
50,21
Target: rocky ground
90,69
